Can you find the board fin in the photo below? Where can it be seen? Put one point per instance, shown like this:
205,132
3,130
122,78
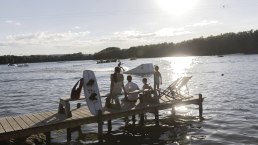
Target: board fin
90,82
93,96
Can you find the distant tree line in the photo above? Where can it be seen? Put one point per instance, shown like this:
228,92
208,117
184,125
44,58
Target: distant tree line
243,42
43,58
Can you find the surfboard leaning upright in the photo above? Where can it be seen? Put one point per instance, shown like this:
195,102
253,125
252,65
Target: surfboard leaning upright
91,92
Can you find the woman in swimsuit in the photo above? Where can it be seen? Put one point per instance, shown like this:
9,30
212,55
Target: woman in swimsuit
116,86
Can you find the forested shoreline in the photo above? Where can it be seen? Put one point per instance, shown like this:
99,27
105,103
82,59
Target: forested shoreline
229,43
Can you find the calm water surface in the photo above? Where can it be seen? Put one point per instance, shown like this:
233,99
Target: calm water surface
230,106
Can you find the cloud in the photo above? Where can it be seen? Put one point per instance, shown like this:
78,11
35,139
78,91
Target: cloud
76,27
47,43
168,32
130,34
128,38
11,22
164,32
187,29
204,23
84,41
45,37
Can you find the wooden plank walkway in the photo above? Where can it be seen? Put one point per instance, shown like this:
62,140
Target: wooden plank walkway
28,124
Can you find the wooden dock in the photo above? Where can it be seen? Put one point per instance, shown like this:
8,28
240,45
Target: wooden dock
24,125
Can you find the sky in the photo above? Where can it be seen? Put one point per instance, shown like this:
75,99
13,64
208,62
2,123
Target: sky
30,27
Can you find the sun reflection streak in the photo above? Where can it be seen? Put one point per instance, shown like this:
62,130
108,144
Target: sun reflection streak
179,66
188,137
181,109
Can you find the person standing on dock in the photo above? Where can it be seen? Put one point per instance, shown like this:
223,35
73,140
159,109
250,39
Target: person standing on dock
157,78
116,86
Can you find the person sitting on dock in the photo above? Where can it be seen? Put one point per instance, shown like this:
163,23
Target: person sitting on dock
130,87
145,85
147,89
116,86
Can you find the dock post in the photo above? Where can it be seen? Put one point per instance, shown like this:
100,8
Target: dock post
100,127
48,138
200,105
78,105
79,127
173,111
133,119
109,126
141,122
157,117
69,134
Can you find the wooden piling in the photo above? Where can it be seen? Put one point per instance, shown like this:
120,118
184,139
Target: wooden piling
173,111
69,134
141,122
133,119
78,105
48,138
109,126
100,127
79,127
157,117
200,105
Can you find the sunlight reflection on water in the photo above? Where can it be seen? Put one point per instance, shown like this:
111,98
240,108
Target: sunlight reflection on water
179,66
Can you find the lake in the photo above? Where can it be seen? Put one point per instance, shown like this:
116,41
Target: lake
229,85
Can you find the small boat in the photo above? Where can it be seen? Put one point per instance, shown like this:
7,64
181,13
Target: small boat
11,64
133,58
23,65
106,61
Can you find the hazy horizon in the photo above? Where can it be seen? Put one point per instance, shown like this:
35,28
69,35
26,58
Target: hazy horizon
65,27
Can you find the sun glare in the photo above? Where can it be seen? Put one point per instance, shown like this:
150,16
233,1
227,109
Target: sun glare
180,65
176,7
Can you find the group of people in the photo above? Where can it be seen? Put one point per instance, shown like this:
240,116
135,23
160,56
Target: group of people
117,85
